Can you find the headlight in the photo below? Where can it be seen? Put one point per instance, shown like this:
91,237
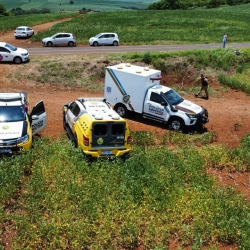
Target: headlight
23,139
192,116
24,54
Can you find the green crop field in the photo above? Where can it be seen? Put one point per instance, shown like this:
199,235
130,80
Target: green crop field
162,27
54,197
57,5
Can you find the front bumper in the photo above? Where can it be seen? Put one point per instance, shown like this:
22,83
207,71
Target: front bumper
10,146
198,119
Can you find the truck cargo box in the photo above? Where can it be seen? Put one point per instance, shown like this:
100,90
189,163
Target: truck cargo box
128,84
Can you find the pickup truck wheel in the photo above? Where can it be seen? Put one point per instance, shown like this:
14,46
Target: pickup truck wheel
176,124
76,141
121,110
64,122
49,44
18,60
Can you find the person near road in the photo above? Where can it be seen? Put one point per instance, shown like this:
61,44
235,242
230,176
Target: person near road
224,40
204,86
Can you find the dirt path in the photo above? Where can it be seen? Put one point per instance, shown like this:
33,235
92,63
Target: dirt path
232,107
24,42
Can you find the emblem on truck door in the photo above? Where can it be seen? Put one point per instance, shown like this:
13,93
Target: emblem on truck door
126,98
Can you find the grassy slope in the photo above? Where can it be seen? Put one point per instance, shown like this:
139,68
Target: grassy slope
56,5
162,27
155,195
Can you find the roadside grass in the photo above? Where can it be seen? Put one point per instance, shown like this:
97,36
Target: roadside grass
65,201
88,72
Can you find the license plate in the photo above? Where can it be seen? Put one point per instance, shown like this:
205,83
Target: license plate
5,151
107,152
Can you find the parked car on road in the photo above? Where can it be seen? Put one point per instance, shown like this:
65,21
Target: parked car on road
23,31
104,39
60,39
17,123
10,53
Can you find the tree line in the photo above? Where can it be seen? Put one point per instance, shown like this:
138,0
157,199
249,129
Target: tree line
191,4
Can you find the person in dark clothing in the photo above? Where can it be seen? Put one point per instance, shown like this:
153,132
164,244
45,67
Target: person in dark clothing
204,86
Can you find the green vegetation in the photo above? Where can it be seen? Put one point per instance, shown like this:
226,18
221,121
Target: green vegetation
65,5
11,22
54,197
88,72
63,201
162,27
190,4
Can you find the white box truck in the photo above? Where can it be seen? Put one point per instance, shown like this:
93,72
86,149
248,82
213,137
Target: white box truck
135,88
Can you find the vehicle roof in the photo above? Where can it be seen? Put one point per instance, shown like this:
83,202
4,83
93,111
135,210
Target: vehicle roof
62,33
23,27
11,99
160,88
98,109
2,44
134,69
103,33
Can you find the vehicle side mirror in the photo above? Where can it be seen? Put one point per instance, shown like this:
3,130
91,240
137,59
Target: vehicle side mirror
34,117
164,104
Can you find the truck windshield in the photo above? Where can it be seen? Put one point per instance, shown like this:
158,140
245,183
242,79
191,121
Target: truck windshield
173,97
12,113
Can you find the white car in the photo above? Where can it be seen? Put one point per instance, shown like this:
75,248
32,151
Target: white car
66,39
10,53
104,39
23,31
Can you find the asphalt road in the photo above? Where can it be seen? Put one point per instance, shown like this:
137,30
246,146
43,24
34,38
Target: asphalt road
121,49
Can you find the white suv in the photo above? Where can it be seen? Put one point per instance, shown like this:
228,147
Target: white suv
104,39
10,53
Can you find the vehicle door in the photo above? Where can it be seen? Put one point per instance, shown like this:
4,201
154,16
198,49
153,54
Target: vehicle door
38,118
102,40
65,39
72,112
110,39
5,55
154,108
57,40
29,31
108,134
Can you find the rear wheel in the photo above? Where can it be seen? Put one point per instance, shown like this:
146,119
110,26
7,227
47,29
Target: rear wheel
49,44
121,110
76,141
70,44
115,43
95,44
176,123
18,60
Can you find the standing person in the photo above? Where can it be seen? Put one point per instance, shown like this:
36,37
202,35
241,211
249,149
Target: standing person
204,86
224,40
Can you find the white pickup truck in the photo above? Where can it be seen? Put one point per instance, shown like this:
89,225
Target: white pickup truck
134,88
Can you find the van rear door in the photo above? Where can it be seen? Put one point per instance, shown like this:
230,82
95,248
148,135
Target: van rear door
108,134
